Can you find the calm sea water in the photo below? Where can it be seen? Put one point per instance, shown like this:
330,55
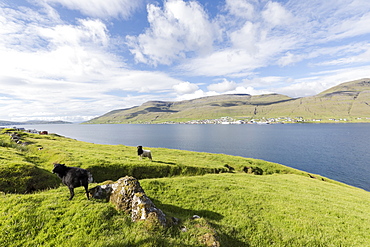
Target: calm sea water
336,151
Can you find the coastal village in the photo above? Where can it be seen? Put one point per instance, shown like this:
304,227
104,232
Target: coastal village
230,120
279,120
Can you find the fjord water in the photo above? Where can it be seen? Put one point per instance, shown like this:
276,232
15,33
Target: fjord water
337,151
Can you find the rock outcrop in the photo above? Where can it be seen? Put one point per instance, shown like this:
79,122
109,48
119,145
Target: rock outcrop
253,170
127,195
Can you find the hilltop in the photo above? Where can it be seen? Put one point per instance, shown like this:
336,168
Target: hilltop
237,201
349,101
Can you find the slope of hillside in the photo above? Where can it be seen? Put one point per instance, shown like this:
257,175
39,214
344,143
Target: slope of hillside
281,206
350,101
237,105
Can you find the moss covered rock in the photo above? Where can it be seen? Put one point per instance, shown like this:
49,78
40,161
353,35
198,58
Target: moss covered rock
127,195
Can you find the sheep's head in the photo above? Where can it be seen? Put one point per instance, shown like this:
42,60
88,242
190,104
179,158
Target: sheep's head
139,150
59,168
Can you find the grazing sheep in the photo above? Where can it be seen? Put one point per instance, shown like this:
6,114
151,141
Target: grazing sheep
15,137
231,169
144,153
73,177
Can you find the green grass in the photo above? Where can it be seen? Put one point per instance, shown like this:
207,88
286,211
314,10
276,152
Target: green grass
282,207
48,219
281,210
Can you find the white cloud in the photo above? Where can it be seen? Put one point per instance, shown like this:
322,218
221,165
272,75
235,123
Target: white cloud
352,27
319,22
63,70
266,81
179,29
289,58
356,52
68,52
48,98
347,19
301,89
246,38
197,94
223,86
18,28
284,35
141,81
317,82
87,31
352,54
253,42
241,8
276,15
185,88
222,63
101,8
250,35
238,61
249,90
238,90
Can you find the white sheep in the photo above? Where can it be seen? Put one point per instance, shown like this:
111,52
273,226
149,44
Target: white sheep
143,153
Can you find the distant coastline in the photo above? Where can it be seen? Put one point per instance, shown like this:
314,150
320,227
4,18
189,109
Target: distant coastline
31,122
279,120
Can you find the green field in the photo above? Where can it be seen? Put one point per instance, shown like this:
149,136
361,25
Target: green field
280,207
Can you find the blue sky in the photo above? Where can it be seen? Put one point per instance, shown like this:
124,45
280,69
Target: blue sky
77,59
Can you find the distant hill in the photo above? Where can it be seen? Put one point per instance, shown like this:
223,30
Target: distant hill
6,123
349,101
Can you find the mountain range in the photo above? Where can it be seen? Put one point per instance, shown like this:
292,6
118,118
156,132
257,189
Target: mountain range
349,101
30,122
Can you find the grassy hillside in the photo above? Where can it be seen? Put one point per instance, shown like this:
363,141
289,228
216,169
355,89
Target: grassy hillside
350,100
213,107
281,207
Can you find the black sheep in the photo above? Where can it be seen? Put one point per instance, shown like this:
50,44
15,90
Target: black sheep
73,177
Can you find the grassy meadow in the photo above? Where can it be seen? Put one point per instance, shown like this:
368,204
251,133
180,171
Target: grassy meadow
281,207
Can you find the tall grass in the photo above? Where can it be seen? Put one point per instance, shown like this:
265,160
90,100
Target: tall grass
282,207
279,210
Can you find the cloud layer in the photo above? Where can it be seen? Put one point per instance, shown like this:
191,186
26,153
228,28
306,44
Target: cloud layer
74,60
101,9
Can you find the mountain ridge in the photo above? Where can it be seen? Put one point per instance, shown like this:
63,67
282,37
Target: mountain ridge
31,122
349,101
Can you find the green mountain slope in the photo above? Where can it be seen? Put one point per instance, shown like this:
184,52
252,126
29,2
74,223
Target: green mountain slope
350,100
